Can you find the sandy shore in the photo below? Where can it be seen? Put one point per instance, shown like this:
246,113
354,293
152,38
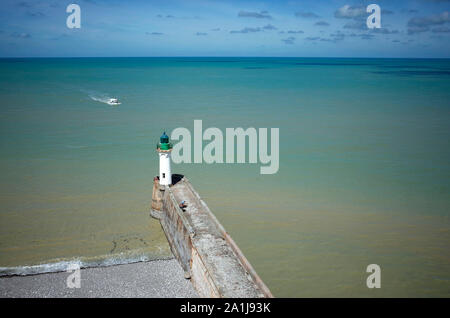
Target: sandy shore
161,278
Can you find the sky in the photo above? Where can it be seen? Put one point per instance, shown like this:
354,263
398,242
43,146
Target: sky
303,28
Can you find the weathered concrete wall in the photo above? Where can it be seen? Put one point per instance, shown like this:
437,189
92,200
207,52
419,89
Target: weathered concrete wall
157,199
202,281
165,208
208,255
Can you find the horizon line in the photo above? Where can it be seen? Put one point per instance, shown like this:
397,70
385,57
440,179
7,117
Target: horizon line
224,56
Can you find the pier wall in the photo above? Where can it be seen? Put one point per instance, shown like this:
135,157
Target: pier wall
205,251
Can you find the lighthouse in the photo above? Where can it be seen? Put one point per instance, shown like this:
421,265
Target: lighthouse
164,148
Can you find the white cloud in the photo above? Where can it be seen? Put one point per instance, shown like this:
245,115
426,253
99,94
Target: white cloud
348,12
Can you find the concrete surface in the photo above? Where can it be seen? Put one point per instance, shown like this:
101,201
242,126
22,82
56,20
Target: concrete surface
156,279
206,252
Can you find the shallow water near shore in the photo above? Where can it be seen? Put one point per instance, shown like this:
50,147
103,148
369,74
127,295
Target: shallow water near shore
364,166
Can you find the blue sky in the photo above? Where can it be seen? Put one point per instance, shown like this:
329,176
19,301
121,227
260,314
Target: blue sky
328,28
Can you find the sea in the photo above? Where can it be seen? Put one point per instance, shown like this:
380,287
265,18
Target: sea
364,166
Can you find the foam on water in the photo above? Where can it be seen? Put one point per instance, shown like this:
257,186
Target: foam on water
80,262
102,99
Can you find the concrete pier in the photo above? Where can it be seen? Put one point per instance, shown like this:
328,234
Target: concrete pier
206,252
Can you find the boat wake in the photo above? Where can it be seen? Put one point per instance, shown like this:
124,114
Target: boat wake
105,99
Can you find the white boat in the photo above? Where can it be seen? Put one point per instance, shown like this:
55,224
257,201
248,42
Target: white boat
113,101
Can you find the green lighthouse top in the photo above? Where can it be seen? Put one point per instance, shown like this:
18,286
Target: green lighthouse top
164,139
164,144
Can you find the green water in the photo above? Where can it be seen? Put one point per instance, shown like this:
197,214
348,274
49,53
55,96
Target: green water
364,165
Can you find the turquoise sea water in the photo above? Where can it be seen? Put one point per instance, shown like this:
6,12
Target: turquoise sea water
364,166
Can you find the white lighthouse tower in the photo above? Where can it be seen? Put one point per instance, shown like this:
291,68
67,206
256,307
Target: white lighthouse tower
164,148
